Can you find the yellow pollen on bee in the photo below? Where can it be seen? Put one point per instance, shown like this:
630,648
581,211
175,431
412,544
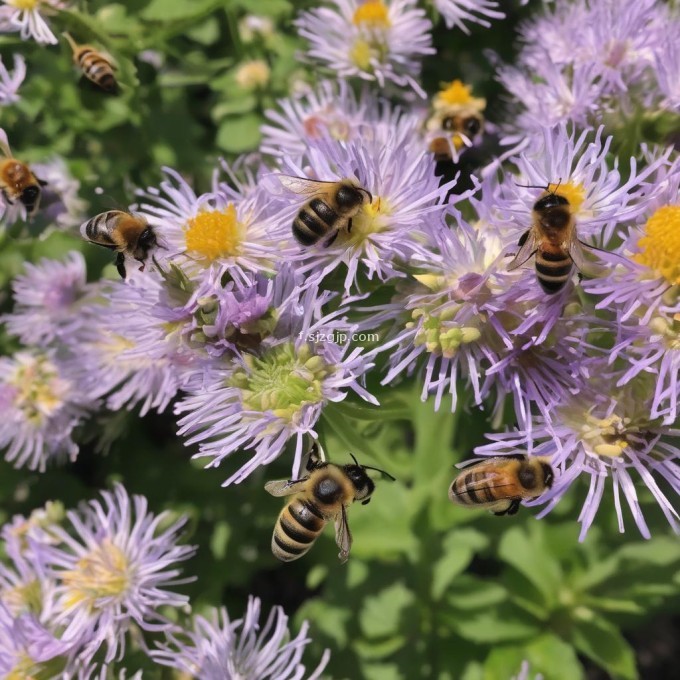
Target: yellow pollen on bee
575,193
99,574
215,233
369,220
373,14
660,246
457,92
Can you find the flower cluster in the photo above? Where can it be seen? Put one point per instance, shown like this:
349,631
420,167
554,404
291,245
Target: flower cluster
585,62
77,585
245,329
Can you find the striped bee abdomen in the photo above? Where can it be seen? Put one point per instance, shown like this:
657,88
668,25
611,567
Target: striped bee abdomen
474,488
297,527
96,229
308,228
97,68
323,211
553,270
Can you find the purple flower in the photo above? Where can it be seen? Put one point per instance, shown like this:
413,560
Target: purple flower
28,649
457,12
260,399
49,302
221,649
373,40
115,570
226,230
603,432
10,82
393,228
41,405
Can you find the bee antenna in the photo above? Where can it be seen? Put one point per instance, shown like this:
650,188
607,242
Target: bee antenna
368,193
530,186
382,472
356,462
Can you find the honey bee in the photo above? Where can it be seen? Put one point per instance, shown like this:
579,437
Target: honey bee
457,120
458,125
17,181
501,484
94,65
331,208
123,232
553,240
322,496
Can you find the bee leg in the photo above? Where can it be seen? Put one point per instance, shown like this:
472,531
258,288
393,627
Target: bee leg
120,265
330,241
349,226
513,507
366,502
42,182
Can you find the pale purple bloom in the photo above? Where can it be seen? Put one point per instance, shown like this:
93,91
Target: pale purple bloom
374,40
41,405
583,60
457,12
10,82
388,232
26,645
133,355
113,570
261,400
334,112
229,230
60,204
222,649
526,674
29,21
606,434
600,198
49,302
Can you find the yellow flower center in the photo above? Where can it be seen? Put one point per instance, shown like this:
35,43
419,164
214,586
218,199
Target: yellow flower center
439,334
215,233
574,193
371,219
102,573
605,436
660,246
372,14
456,93
39,391
361,54
24,4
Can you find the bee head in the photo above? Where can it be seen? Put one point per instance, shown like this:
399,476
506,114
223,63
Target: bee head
147,238
364,486
550,201
30,197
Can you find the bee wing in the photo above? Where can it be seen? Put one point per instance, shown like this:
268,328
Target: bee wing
305,186
577,253
526,251
343,536
4,144
285,487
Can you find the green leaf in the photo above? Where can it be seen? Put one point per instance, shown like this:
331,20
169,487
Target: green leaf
239,134
527,553
381,613
500,625
459,549
381,671
219,540
471,593
600,641
346,431
175,10
272,8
